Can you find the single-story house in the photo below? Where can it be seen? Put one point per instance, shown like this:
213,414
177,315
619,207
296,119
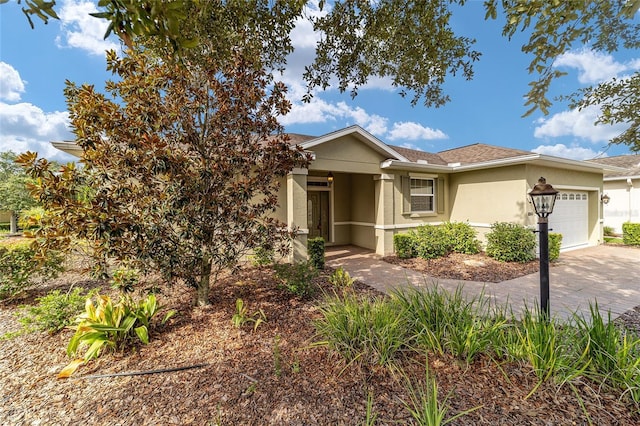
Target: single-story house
359,190
623,190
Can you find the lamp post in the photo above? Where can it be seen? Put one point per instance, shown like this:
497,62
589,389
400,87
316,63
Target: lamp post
543,197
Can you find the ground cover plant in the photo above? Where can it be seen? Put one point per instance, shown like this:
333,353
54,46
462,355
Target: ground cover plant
282,372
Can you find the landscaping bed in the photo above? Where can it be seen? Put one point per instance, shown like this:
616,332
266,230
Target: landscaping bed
276,374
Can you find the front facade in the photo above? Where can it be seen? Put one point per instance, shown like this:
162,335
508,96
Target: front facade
623,190
361,191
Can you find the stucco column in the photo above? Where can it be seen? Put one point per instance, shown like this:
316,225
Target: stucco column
297,212
385,220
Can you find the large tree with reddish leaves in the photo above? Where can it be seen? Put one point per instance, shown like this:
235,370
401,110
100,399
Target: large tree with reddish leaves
181,166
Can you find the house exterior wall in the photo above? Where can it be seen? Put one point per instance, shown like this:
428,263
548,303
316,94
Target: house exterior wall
577,180
347,155
624,203
483,197
5,216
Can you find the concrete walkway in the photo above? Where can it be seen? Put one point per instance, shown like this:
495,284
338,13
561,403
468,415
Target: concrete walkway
608,274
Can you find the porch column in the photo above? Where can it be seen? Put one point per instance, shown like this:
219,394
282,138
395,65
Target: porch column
297,212
384,213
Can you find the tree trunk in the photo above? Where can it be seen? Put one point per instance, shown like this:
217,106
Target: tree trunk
13,223
202,297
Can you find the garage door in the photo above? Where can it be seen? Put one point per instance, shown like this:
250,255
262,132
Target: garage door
570,218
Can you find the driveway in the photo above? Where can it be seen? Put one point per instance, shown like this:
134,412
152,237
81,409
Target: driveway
608,274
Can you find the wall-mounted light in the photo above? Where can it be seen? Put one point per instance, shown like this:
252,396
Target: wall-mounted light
605,199
330,178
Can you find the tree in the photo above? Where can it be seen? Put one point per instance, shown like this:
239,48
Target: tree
14,195
183,165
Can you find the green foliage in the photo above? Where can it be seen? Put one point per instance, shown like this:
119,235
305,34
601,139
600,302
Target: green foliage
14,194
21,267
372,331
555,242
608,231
241,317
125,280
462,238
106,325
424,405
403,246
511,242
430,241
263,256
315,246
54,311
31,218
631,234
341,279
195,193
297,278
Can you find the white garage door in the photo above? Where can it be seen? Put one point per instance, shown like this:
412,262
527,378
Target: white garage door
570,218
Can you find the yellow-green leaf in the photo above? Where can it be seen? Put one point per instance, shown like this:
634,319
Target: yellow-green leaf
70,368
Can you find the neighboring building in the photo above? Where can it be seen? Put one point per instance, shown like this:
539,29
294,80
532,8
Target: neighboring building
623,189
361,191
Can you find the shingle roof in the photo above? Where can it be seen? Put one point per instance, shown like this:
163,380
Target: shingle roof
479,153
297,138
629,162
415,155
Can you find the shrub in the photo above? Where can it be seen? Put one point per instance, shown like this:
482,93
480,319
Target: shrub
19,267
631,234
263,256
341,278
297,278
555,241
430,241
510,242
54,311
608,231
461,237
403,244
31,218
315,246
111,326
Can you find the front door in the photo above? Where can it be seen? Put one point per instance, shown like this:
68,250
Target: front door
318,214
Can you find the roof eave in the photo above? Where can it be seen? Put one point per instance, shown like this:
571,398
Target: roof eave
69,147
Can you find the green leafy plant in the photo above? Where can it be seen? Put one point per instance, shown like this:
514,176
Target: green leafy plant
423,403
263,256
555,242
631,234
403,245
341,278
370,416
315,247
430,241
106,325
608,231
31,218
54,311
297,278
372,331
462,238
511,242
21,268
125,280
241,317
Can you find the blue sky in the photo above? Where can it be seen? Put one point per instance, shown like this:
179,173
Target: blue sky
34,65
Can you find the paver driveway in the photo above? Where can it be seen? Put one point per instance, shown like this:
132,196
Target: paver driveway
608,274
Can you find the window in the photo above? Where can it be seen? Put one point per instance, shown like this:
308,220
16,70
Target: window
422,195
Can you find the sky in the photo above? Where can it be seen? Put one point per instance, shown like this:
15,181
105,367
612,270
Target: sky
34,65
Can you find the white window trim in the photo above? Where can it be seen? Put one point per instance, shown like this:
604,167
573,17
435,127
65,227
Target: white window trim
432,195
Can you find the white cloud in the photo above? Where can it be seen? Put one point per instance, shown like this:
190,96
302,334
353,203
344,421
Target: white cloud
25,127
579,124
11,85
594,67
413,131
82,31
573,152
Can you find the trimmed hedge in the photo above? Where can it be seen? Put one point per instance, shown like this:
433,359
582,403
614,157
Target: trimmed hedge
315,246
555,241
431,241
403,246
511,242
631,234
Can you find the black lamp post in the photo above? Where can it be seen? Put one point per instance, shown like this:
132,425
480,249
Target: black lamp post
543,197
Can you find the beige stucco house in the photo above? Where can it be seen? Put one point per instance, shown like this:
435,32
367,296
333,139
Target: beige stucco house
360,191
623,189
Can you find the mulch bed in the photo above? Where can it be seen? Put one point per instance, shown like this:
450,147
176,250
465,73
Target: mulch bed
468,267
275,375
